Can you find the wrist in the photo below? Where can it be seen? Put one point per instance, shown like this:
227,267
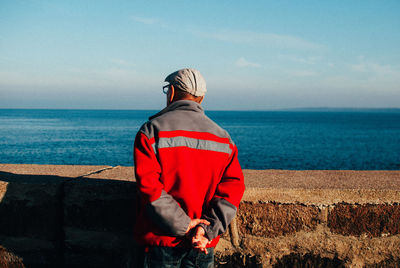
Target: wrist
204,230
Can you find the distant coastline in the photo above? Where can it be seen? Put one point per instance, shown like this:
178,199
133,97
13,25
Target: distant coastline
343,109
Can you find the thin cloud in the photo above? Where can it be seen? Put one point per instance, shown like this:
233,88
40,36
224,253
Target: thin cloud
302,73
116,77
45,80
376,69
122,62
264,39
307,60
242,62
243,37
145,20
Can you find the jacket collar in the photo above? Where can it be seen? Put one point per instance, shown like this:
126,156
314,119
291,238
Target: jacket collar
180,105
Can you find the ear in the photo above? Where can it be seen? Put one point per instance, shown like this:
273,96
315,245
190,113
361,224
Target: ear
171,97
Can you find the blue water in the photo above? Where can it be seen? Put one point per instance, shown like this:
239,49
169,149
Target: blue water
297,139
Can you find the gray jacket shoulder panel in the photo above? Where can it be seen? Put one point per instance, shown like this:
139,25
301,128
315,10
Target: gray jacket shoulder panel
147,129
183,115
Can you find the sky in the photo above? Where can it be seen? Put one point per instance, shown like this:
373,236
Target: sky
254,55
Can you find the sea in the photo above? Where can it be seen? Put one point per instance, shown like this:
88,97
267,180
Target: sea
298,139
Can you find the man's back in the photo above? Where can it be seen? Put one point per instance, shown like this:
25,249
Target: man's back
192,152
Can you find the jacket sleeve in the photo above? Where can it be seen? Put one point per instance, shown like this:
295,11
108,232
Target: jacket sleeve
160,207
222,208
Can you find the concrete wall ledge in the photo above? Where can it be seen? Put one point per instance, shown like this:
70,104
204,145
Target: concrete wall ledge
83,216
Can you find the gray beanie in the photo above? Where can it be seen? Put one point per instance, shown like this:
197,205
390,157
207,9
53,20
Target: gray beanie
189,80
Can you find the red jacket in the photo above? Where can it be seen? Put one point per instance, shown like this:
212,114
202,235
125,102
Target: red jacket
186,167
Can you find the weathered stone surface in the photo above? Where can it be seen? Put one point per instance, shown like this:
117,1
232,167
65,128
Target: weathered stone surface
95,204
71,171
371,220
322,187
349,250
234,233
390,263
83,216
321,197
31,252
29,207
31,218
307,260
116,173
25,220
323,179
99,217
224,246
31,196
98,249
85,258
271,220
9,260
97,240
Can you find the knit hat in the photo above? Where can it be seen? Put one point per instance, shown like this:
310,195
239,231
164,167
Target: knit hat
189,80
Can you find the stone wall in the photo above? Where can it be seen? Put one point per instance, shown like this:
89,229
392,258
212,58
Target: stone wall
83,216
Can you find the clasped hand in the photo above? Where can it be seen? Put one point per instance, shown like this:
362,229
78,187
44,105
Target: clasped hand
197,236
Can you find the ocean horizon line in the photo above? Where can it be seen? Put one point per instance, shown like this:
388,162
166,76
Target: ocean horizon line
295,109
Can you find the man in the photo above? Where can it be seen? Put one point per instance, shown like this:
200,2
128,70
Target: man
189,179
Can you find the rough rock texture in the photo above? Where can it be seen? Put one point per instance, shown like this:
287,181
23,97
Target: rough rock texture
308,260
370,219
321,243
9,260
271,220
83,216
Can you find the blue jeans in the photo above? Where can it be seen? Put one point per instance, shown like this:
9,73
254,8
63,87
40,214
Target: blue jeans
169,257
